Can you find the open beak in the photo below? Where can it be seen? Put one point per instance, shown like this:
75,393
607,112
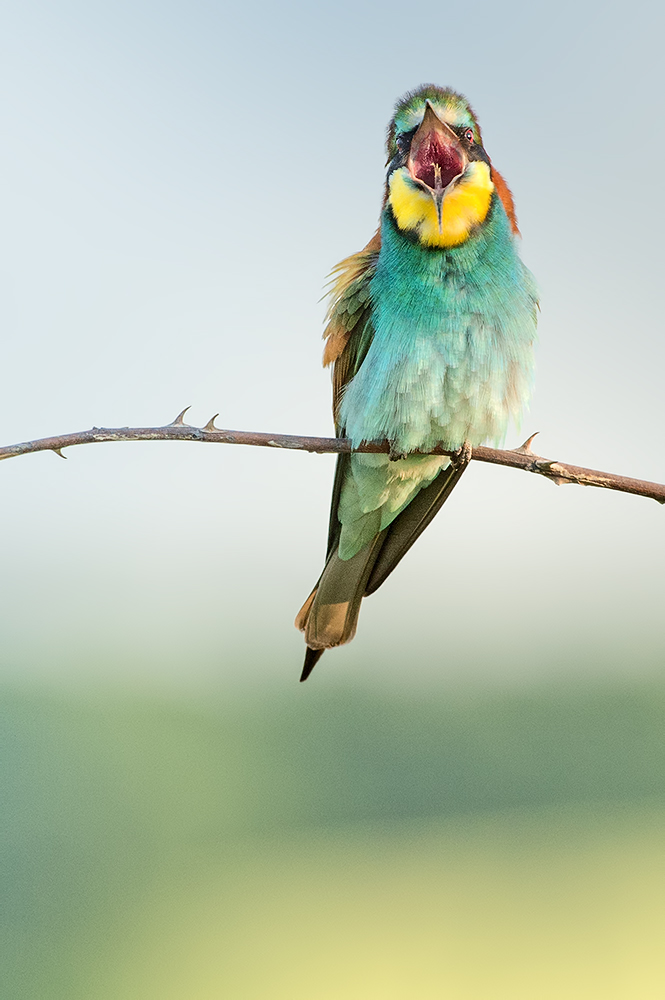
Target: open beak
436,159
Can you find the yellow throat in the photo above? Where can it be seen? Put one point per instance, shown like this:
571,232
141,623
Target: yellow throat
464,207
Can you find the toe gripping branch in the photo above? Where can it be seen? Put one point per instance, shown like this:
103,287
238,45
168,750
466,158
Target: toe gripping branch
461,458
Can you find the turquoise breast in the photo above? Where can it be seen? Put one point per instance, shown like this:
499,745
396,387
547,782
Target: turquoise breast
454,332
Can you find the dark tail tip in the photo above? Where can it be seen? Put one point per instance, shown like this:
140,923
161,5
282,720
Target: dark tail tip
312,657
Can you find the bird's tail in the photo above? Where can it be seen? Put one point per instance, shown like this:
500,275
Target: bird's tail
330,614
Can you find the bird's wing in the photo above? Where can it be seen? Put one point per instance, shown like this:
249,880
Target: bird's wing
348,335
349,331
410,524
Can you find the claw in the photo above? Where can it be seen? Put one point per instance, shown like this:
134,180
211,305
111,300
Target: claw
179,422
525,449
394,455
210,426
462,456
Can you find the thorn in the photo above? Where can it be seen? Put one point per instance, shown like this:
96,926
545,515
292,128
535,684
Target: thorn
59,452
525,449
210,426
550,470
179,422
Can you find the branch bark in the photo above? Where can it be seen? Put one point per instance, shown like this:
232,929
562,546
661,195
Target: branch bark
519,458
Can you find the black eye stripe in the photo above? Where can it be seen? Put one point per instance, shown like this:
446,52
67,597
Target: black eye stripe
402,144
462,131
403,139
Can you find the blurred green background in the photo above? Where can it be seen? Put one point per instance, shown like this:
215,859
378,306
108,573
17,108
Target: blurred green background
469,800
334,843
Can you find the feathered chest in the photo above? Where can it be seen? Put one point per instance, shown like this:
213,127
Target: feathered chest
451,357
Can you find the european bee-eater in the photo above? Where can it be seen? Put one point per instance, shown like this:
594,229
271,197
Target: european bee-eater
431,332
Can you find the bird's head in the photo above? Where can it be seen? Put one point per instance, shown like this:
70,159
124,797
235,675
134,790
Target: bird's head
440,180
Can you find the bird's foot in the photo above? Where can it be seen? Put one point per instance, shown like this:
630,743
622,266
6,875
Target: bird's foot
460,458
394,455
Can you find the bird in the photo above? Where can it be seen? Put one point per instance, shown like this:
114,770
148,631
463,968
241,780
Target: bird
430,330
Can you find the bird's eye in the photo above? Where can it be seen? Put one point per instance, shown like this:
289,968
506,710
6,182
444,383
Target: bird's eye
468,135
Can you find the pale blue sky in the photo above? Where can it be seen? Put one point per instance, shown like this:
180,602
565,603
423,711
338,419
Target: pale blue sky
177,181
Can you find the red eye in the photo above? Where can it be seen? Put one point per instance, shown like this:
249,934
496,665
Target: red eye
468,135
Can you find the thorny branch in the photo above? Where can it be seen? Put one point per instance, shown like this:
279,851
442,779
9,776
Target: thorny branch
518,458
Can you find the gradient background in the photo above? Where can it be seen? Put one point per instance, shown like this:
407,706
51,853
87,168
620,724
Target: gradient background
468,801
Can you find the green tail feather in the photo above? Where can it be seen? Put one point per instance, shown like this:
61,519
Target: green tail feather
330,615
333,614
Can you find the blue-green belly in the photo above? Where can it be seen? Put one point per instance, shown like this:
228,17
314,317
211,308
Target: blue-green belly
451,361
